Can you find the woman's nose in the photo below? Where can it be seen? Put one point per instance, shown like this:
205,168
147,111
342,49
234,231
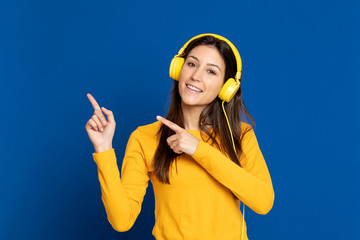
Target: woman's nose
197,75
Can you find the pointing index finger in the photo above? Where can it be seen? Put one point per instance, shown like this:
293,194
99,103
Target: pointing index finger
93,101
170,124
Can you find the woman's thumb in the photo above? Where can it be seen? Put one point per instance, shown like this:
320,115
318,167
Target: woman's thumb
108,114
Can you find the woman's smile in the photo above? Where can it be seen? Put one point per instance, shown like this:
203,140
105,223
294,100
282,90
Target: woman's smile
193,89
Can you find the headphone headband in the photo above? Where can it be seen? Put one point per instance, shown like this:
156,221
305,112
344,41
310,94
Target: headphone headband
233,48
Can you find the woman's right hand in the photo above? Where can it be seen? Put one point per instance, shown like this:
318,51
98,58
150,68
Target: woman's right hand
100,130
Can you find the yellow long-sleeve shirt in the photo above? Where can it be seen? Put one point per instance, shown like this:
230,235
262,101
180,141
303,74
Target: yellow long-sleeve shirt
199,203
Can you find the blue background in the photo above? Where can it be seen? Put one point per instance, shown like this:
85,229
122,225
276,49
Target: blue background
300,82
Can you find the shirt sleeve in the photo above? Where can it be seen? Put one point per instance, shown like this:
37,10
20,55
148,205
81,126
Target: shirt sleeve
122,197
250,183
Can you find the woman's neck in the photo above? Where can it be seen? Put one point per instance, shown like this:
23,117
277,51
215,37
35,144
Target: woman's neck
191,116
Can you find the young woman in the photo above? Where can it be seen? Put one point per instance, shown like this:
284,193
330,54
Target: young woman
201,165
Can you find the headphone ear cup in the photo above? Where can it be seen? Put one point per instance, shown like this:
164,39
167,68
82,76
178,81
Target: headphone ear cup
229,90
175,67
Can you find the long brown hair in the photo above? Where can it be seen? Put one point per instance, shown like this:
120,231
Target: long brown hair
212,115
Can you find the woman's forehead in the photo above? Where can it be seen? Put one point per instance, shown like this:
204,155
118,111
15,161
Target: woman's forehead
207,54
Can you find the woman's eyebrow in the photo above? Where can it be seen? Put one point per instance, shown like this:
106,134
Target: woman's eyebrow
210,64
214,65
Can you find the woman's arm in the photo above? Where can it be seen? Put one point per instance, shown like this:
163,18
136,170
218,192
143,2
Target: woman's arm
122,197
251,183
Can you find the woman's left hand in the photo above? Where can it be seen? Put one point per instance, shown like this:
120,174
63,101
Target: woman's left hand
182,141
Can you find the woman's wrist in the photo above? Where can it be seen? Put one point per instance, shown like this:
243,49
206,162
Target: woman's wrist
102,148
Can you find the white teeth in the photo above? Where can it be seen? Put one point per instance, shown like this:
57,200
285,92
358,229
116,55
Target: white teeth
193,88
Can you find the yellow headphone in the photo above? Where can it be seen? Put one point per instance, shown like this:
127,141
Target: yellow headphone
230,87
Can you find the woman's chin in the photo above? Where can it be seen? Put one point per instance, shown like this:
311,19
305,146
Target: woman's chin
192,103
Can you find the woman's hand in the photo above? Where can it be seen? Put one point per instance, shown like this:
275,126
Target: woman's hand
182,141
100,130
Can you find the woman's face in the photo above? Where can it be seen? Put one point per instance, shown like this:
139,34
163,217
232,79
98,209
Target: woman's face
202,76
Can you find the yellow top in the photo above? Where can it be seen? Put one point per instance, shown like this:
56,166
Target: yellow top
199,202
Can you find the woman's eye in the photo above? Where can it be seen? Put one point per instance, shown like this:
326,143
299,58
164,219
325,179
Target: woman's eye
212,72
191,64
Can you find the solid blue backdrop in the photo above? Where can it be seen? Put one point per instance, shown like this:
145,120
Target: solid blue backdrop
300,82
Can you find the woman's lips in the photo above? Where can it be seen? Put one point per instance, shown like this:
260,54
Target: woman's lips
193,88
